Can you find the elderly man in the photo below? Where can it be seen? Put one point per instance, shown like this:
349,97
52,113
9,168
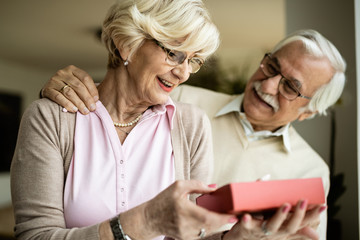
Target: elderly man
302,76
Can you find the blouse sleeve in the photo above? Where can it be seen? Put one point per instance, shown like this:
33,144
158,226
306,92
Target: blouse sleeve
37,174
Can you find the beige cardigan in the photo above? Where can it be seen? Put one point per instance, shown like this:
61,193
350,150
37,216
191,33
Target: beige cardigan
42,156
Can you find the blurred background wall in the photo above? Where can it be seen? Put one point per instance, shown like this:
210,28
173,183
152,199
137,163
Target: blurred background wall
39,37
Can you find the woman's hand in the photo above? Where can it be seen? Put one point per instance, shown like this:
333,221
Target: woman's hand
172,214
80,95
301,224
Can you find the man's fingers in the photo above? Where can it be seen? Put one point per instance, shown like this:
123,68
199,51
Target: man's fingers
87,80
80,95
85,88
61,100
69,93
81,91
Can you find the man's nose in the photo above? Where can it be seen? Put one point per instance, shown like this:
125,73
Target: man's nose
271,85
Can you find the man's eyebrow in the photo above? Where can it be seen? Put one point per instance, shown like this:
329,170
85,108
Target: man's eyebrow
295,81
276,62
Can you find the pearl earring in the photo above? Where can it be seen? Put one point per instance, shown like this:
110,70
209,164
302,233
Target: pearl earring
126,63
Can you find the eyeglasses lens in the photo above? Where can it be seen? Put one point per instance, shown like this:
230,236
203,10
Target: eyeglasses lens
175,58
286,87
287,90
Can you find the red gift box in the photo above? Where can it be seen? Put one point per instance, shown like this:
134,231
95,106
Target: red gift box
257,196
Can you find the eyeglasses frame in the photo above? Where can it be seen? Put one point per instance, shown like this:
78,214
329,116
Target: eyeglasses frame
168,51
282,79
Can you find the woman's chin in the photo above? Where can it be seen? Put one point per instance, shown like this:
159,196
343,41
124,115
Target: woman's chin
160,100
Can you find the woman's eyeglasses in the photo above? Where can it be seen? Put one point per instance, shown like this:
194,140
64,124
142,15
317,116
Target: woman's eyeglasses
174,58
287,88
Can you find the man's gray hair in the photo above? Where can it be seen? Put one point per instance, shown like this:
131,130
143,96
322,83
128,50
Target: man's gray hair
318,46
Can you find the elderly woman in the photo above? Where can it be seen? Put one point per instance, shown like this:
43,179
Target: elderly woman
111,174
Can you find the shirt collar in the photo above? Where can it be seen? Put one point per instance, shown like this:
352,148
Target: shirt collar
251,134
169,108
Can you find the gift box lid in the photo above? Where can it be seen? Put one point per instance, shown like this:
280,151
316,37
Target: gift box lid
263,195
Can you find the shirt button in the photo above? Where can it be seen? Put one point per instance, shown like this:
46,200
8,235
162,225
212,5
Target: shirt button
122,175
121,161
122,203
122,189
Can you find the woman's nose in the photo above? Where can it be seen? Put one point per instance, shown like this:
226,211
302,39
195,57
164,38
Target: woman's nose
182,71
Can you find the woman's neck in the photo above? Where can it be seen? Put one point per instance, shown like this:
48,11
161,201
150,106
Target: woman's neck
119,98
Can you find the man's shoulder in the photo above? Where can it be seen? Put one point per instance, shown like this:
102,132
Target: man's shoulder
299,144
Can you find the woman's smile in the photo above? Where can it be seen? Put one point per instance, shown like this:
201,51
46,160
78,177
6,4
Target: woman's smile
165,85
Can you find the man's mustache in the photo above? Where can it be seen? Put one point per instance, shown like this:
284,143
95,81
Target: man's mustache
269,99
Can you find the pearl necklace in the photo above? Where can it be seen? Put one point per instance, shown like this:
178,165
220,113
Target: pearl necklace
116,124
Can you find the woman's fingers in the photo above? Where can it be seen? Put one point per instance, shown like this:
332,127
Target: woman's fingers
312,217
308,232
172,214
297,217
275,222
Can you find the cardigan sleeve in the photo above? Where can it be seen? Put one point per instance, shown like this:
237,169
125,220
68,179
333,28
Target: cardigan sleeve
37,174
193,148
192,144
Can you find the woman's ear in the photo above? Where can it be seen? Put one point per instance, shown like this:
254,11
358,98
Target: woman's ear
123,51
306,115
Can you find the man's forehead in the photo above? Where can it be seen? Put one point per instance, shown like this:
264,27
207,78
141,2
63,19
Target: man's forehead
302,67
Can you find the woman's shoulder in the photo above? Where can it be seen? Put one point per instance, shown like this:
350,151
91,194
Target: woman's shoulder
44,105
189,110
191,117
45,110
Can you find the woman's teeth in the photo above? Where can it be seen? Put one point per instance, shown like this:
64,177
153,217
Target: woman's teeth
166,83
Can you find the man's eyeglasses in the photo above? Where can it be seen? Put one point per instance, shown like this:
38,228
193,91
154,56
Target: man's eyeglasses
287,88
174,58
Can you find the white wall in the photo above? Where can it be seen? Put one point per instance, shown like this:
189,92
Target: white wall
24,81
335,20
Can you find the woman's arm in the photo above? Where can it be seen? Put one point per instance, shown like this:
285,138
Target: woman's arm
37,174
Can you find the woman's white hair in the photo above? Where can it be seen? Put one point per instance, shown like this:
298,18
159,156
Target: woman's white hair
182,25
318,46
